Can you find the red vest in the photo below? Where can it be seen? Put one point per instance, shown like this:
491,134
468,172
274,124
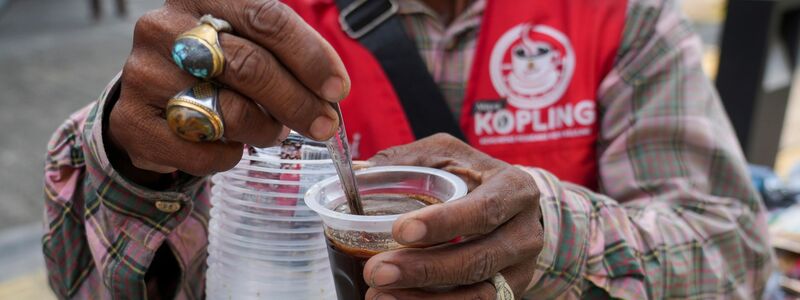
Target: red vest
532,94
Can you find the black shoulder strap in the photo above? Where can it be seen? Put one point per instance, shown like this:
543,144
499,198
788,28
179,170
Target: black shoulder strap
376,26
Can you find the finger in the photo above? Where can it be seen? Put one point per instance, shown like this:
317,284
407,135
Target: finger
361,165
146,79
410,155
517,277
157,29
258,75
250,70
488,206
146,138
455,264
150,75
436,151
481,290
246,122
277,28
150,166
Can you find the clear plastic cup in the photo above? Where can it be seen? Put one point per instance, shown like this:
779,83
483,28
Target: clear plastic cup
270,280
235,288
352,239
269,266
268,217
277,275
269,252
266,234
264,242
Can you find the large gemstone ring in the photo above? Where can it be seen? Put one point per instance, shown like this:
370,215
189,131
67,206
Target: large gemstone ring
198,52
195,115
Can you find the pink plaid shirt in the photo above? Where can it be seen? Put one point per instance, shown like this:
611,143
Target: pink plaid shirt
675,216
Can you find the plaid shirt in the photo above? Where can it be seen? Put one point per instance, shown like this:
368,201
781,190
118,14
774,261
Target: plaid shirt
675,216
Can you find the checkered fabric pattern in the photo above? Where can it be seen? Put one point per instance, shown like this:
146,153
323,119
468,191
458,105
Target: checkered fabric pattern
675,216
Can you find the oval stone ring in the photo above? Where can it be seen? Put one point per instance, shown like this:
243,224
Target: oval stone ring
198,52
195,115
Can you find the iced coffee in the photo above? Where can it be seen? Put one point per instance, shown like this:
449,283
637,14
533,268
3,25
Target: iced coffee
387,192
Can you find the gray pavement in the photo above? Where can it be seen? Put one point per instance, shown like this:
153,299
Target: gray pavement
20,251
54,60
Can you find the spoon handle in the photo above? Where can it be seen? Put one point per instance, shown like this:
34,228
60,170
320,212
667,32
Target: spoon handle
342,160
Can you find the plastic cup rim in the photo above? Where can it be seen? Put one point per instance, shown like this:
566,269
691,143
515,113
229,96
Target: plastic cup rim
304,219
224,284
242,202
314,267
257,247
259,229
288,243
256,229
313,276
250,157
268,244
460,189
270,258
218,263
276,279
306,230
250,215
225,187
232,175
244,166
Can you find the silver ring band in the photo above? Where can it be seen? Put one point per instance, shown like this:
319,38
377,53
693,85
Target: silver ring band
500,284
218,24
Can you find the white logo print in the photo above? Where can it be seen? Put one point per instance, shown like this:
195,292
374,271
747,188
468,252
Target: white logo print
532,66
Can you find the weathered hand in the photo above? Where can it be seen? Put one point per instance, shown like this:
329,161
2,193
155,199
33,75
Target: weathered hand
278,71
499,219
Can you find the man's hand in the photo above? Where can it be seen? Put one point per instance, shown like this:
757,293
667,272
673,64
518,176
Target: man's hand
278,71
499,220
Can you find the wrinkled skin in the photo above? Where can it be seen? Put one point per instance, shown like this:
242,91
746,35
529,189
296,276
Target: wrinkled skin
499,219
281,73
278,73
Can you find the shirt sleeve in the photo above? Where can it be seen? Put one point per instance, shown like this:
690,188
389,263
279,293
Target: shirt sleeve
676,216
102,232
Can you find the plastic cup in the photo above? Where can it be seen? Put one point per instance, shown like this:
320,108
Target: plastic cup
266,234
234,288
353,239
317,271
264,242
237,263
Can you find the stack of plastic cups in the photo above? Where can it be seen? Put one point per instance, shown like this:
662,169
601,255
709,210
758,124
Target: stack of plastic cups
264,243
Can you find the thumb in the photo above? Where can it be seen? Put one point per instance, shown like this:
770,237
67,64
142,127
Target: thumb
436,151
394,156
362,164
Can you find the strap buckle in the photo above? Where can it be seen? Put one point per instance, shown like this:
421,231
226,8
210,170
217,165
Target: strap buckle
356,26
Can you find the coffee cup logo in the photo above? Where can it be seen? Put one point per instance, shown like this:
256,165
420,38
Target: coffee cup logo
532,65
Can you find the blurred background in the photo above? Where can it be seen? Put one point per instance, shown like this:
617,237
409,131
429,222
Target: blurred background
57,55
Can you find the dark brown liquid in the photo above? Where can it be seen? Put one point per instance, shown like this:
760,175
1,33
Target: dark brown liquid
347,262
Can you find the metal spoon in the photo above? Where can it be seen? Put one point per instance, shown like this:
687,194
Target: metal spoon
340,154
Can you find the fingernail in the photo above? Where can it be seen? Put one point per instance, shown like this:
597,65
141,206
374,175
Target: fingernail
362,164
413,231
385,274
333,89
383,296
284,134
322,128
